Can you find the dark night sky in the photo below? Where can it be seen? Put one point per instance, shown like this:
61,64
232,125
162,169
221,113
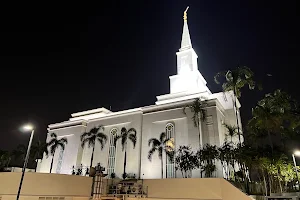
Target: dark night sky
120,54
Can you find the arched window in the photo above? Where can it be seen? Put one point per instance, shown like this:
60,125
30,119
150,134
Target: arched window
170,133
112,152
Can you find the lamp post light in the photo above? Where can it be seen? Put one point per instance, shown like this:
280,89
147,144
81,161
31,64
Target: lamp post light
296,153
26,128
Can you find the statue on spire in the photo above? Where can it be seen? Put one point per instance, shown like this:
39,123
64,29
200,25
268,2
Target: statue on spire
185,14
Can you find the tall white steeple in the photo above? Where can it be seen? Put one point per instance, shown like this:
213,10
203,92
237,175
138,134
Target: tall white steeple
186,42
188,82
188,77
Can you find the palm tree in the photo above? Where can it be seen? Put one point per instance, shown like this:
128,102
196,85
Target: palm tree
54,144
235,80
231,130
91,137
124,136
199,114
161,145
38,150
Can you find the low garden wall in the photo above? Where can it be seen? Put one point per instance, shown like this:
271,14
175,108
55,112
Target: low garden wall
37,186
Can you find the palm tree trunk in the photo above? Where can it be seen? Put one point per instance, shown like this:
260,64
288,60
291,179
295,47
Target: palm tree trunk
162,168
166,166
236,114
200,131
200,138
125,159
92,157
52,163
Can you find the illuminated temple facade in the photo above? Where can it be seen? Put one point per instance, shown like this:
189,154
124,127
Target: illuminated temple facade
166,115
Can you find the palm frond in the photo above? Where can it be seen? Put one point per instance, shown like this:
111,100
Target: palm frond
91,141
154,142
63,140
83,141
46,151
101,128
85,135
132,130
102,136
53,135
218,75
52,141
62,146
102,143
162,137
132,138
151,152
94,135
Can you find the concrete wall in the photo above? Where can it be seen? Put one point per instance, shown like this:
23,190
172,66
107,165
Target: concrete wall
37,185
204,189
188,188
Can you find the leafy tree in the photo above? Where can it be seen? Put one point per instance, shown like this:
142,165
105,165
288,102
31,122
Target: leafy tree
185,160
38,149
235,80
5,159
19,152
199,114
274,114
54,144
243,156
91,137
126,135
163,144
226,156
288,174
207,156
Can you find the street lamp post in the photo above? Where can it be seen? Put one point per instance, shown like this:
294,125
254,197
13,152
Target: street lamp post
297,153
26,128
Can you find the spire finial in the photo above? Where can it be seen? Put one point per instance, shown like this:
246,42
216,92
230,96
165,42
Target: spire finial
185,14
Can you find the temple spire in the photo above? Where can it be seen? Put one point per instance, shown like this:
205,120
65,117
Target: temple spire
186,39
185,14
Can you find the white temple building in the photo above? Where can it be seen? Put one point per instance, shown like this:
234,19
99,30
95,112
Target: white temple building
166,115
